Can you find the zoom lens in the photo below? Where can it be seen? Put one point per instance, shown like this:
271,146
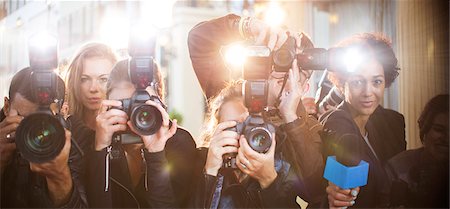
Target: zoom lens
259,139
146,119
40,137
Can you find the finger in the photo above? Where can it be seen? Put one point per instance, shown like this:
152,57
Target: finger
271,151
244,160
13,119
8,130
116,120
249,153
228,142
339,203
164,114
173,129
114,112
109,103
241,166
262,36
229,149
228,134
224,125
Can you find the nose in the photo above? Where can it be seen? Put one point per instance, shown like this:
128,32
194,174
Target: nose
368,89
95,86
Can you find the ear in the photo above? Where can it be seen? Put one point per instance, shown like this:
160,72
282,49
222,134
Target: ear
6,106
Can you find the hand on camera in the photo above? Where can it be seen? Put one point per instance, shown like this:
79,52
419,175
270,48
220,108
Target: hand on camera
273,38
7,146
157,141
260,166
339,198
108,122
222,142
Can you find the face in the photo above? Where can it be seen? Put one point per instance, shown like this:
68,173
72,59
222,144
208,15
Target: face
233,110
436,140
276,83
126,89
93,82
21,106
364,89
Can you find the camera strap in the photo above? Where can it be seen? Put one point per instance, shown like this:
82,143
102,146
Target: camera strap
278,99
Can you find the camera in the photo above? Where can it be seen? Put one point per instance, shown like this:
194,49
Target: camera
40,136
146,119
258,134
256,130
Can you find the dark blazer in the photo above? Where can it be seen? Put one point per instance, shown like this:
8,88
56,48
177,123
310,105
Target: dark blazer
385,129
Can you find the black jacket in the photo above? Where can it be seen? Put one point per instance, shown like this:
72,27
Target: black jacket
166,184
385,129
21,188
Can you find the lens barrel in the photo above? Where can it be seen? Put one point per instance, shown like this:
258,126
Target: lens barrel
40,137
146,119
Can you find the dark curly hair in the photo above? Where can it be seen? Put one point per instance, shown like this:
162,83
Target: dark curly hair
381,49
438,104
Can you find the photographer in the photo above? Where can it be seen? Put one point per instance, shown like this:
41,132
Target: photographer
294,125
87,75
155,170
24,184
357,120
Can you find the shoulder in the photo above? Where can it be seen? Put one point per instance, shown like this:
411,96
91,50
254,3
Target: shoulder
402,162
338,119
182,139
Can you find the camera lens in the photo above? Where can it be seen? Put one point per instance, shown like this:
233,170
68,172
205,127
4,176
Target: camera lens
283,58
259,139
40,137
146,119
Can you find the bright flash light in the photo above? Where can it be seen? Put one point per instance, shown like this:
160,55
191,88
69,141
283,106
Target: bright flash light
143,32
352,59
43,41
235,55
114,30
274,15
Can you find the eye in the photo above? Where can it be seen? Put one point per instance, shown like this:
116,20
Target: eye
84,79
378,82
356,83
103,80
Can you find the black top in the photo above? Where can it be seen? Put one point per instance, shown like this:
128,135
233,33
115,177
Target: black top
384,140
21,188
169,177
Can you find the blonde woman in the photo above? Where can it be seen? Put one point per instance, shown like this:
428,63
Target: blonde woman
86,83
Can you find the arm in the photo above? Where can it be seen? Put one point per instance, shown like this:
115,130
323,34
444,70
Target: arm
205,41
305,146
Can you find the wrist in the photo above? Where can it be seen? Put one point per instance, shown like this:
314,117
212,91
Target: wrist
156,147
99,141
211,171
268,180
289,117
60,177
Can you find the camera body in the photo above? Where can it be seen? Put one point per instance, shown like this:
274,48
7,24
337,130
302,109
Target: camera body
145,119
257,132
40,136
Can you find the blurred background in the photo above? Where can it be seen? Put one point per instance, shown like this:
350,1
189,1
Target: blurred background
418,29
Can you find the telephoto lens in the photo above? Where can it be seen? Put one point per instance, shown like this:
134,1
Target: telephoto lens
40,137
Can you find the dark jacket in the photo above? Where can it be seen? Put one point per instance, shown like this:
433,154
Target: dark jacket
166,183
302,145
384,141
21,188
418,180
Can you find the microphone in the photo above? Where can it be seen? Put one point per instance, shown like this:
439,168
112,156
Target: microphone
346,169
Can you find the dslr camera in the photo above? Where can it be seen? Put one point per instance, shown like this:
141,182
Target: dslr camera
145,119
257,131
40,136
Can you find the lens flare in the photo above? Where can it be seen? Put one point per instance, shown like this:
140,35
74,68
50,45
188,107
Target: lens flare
352,59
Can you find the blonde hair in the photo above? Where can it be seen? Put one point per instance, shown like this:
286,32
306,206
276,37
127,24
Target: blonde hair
75,70
232,91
